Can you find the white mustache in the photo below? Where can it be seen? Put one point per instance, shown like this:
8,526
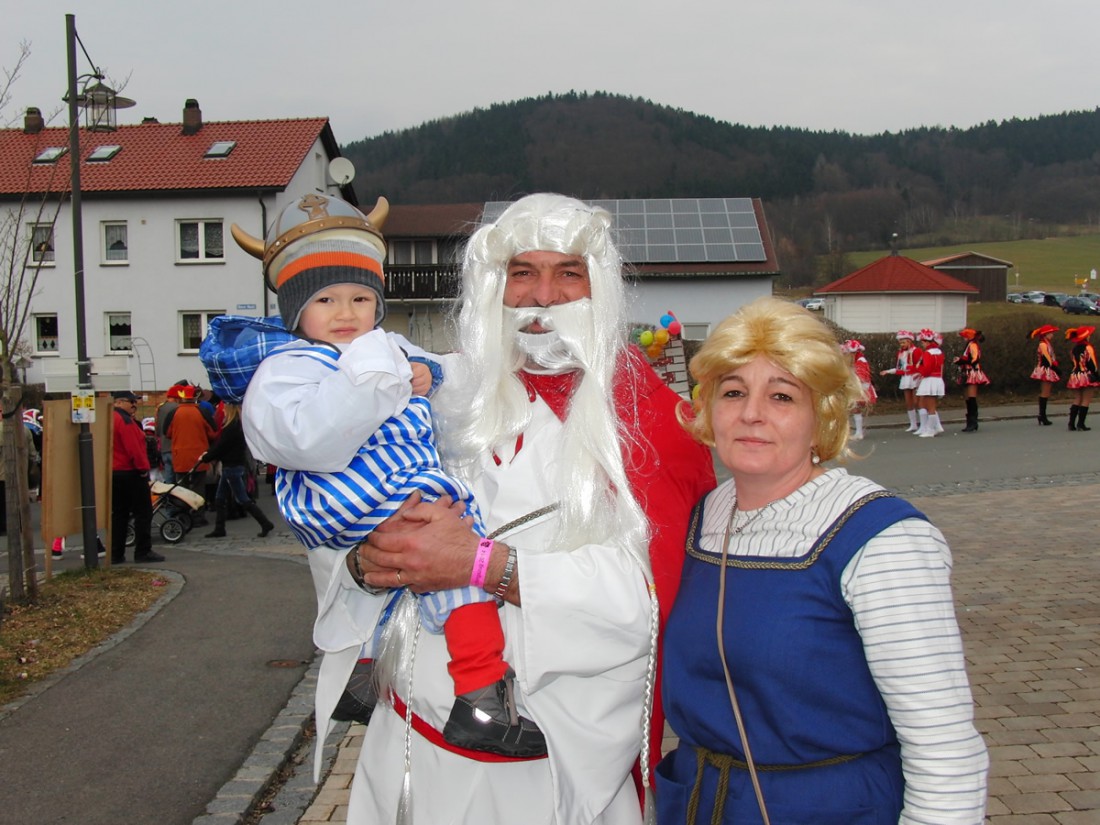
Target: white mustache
564,344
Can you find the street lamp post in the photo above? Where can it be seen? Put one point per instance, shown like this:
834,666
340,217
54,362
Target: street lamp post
100,103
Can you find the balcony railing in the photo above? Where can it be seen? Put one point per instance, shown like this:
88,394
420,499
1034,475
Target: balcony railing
422,282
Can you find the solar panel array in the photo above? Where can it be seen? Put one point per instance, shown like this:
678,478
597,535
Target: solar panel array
679,230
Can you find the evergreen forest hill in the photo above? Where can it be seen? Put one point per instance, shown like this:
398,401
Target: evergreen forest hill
825,193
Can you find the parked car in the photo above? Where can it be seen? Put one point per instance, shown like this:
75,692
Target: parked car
813,304
1035,297
1080,306
1054,299
1016,298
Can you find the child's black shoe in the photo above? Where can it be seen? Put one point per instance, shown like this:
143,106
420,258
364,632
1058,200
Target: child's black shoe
360,696
486,720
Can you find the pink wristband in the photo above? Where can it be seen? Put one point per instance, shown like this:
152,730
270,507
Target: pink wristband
481,562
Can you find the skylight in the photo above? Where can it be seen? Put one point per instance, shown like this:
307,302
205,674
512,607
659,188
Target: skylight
51,154
220,149
102,154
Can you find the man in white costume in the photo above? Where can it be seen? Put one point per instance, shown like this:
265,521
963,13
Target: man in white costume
570,444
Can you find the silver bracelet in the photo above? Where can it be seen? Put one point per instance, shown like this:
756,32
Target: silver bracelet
506,576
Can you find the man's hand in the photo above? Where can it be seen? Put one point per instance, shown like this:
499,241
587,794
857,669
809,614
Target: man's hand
422,378
425,546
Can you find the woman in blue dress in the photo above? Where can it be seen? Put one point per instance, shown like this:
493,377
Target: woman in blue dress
813,666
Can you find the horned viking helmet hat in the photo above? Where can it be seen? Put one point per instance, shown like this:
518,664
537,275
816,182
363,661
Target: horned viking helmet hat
318,241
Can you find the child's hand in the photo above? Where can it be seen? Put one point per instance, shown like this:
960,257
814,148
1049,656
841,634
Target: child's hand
422,378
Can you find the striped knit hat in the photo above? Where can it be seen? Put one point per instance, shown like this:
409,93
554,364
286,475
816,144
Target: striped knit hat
316,242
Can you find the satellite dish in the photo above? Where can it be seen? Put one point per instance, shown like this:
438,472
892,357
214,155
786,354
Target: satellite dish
341,171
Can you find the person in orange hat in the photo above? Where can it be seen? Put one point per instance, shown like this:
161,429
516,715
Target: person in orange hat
971,375
1084,375
1046,368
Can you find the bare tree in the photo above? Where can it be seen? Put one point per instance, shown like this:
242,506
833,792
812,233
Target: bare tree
20,265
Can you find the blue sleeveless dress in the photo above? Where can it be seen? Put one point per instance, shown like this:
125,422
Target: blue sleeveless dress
825,749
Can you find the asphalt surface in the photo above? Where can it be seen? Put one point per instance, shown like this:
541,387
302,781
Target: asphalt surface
188,715
153,727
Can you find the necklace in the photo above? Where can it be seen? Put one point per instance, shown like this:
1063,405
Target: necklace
732,531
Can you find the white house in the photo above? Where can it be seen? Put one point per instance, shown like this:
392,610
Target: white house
895,293
157,201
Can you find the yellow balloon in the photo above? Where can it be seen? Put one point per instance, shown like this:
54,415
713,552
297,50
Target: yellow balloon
661,336
646,338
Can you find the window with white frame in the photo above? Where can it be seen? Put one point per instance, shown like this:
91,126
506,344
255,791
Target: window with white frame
408,253
116,244
45,334
193,327
200,241
118,332
42,243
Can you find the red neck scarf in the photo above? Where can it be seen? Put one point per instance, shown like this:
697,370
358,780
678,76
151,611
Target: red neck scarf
555,390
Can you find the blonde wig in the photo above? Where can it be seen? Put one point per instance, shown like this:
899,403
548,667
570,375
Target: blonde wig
484,407
794,340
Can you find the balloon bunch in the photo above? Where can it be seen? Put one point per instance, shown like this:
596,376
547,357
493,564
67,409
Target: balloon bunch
654,341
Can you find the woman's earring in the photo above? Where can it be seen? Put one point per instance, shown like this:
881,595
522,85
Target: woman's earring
815,459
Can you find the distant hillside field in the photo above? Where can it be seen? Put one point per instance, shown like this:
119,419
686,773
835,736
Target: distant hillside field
1048,264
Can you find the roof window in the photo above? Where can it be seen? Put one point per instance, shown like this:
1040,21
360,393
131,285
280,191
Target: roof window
102,154
50,154
220,149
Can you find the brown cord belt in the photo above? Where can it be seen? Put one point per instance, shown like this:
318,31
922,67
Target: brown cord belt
724,763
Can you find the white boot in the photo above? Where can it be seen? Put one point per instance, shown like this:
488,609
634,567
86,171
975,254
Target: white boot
923,422
858,420
934,422
913,426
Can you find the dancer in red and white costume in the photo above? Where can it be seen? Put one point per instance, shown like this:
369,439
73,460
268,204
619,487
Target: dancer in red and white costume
931,388
905,367
862,368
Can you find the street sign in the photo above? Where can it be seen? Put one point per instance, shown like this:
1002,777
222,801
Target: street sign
83,406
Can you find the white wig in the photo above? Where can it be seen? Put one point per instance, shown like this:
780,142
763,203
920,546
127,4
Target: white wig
494,409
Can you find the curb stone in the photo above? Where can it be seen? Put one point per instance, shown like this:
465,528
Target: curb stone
237,798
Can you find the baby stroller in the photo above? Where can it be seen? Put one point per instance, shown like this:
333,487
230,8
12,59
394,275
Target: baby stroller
172,508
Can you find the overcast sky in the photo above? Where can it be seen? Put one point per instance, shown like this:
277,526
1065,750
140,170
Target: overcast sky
862,66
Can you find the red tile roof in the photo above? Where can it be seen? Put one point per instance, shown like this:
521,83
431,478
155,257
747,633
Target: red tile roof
896,273
159,157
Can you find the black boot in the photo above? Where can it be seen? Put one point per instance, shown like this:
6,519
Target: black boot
219,523
1073,416
486,720
265,525
971,415
1081,413
1046,422
360,696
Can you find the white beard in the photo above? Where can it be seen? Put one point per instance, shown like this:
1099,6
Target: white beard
565,344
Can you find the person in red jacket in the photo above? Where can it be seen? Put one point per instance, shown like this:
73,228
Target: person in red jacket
130,484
